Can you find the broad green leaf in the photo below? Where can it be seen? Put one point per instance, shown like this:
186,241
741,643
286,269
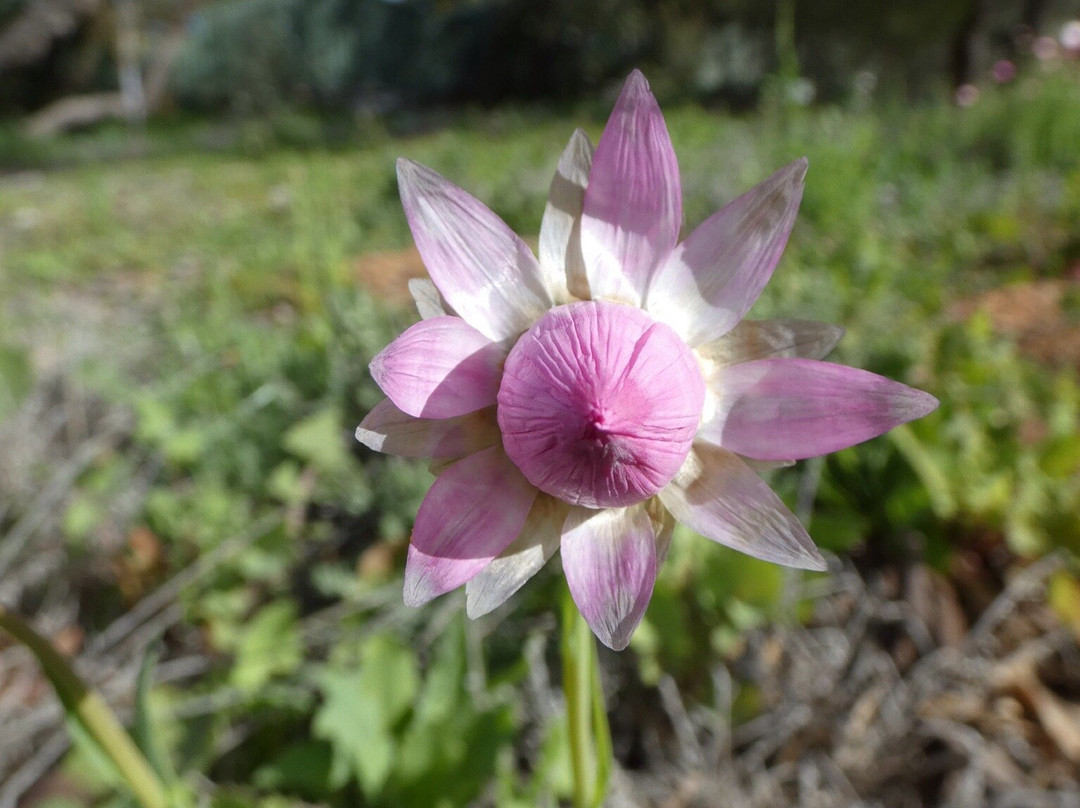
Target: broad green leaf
1062,457
303,767
270,646
286,484
319,439
444,682
389,675
184,447
361,709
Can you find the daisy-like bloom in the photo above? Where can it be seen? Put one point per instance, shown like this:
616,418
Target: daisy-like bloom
587,400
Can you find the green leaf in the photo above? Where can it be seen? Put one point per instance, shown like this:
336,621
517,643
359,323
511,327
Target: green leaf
1062,457
155,420
144,730
83,514
269,647
360,712
303,767
389,675
184,447
16,378
286,484
319,440
444,682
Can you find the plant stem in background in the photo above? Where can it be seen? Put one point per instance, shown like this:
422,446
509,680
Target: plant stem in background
586,715
90,710
786,51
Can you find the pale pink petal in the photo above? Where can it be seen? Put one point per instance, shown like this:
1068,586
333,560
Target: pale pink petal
473,511
480,266
766,339
440,368
633,203
713,278
519,562
718,496
387,429
560,229
429,302
609,558
782,409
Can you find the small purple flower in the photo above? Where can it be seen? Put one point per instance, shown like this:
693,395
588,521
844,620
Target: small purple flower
1004,71
587,400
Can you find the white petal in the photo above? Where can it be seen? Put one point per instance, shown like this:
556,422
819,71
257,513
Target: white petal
560,229
663,526
519,562
485,271
762,339
718,496
387,429
429,302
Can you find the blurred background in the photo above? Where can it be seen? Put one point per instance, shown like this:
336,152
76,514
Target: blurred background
201,247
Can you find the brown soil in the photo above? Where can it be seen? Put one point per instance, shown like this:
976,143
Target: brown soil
386,273
1042,316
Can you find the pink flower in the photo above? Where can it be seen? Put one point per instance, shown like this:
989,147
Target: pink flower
587,400
1004,71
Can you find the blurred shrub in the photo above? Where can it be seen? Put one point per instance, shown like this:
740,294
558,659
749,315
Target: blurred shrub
240,54
375,54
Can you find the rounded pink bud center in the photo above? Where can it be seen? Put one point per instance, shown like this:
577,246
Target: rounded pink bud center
599,404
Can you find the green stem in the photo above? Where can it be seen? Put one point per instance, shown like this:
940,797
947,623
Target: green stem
785,40
90,710
590,735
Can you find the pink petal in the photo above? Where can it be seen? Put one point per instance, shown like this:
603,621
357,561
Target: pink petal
429,302
387,429
713,278
560,229
609,558
783,409
480,266
763,339
633,203
440,368
519,562
599,404
473,511
720,497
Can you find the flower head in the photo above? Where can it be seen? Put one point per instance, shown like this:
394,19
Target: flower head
587,400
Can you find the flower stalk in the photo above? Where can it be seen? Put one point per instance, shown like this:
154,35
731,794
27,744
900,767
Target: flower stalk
586,715
88,708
